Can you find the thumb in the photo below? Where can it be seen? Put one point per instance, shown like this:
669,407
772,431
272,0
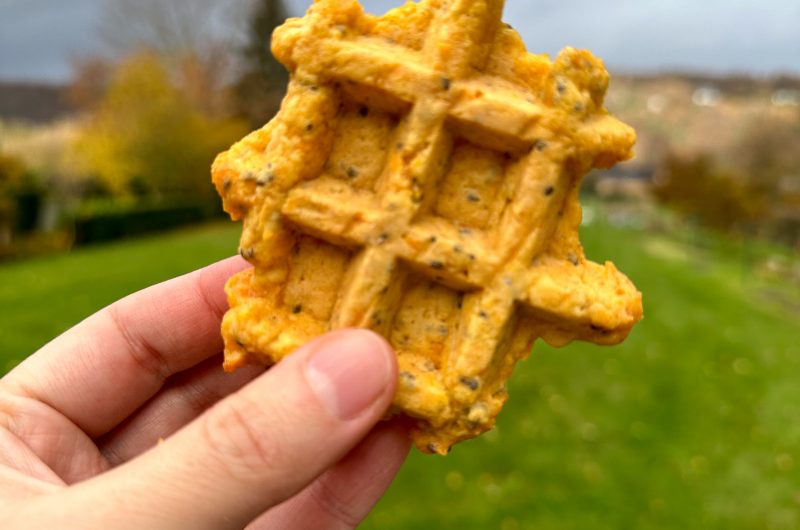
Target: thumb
257,447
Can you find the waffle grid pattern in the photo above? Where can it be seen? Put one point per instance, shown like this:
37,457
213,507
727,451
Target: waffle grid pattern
521,277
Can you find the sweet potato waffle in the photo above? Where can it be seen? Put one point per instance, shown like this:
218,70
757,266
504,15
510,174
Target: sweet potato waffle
421,180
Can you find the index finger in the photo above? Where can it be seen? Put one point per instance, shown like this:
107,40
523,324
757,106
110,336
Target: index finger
103,369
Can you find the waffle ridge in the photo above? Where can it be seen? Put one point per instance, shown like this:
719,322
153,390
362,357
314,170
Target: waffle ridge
447,221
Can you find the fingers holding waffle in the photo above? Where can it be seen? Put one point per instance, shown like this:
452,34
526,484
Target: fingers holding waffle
421,180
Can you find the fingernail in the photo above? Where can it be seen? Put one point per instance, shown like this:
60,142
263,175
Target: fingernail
348,371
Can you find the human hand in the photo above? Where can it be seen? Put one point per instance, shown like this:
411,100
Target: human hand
295,447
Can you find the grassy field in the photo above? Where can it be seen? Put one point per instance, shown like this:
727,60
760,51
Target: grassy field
693,423
42,297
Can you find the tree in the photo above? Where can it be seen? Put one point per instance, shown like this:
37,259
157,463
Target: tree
192,38
263,81
20,196
267,15
169,29
90,79
699,188
147,137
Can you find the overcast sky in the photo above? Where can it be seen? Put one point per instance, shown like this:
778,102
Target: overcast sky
38,38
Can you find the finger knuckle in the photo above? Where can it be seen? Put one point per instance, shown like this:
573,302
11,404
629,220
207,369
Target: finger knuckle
340,510
234,433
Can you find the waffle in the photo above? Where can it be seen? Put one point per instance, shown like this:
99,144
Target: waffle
421,180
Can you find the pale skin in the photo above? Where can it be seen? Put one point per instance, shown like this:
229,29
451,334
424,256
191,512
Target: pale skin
128,421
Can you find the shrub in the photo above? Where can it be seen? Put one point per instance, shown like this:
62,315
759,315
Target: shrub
99,221
20,196
146,137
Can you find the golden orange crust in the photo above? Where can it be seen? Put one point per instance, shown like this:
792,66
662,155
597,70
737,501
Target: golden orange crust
421,180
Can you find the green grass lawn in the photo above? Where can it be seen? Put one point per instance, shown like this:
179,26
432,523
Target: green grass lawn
42,297
693,423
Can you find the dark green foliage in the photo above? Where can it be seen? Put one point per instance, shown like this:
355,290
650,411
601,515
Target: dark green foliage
116,221
261,87
20,196
268,15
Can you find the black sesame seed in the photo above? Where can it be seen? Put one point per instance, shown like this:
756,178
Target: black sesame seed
465,231
437,265
540,145
473,197
352,172
471,257
432,239
578,107
457,249
443,329
549,190
314,88
483,314
297,309
431,448
382,239
599,329
561,86
363,112
408,376
471,382
445,83
226,184
247,253
240,343
309,127
400,146
572,258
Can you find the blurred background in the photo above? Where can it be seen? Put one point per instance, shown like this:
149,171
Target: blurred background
111,112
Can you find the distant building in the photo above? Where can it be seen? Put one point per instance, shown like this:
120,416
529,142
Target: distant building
706,96
786,97
32,102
